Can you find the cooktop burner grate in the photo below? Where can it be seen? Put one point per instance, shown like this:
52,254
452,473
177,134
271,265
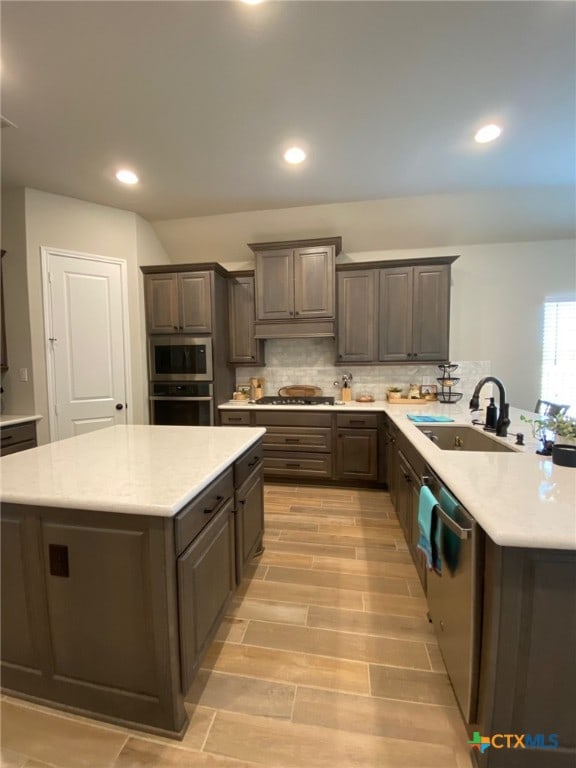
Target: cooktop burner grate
278,400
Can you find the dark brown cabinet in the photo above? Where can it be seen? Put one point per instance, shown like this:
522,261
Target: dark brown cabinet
178,302
295,283
357,329
295,287
112,613
18,437
414,313
357,447
206,582
394,314
244,348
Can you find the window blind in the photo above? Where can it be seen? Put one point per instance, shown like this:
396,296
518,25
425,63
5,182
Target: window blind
559,353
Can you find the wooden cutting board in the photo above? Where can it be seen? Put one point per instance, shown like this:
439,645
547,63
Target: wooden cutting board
300,390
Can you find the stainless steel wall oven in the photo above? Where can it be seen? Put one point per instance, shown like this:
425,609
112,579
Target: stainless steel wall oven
185,404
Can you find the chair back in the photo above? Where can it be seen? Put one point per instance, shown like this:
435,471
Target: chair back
546,408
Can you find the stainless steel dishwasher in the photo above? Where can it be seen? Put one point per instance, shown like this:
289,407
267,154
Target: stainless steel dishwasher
455,596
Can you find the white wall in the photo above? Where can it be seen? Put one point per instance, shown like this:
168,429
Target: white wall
489,216
62,222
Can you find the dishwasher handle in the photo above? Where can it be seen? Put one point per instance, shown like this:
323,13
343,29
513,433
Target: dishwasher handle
462,533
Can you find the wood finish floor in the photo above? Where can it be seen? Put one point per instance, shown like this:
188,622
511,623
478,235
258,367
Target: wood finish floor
325,658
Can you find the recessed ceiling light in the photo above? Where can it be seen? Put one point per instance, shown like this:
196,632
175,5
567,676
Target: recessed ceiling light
252,2
488,133
127,177
294,155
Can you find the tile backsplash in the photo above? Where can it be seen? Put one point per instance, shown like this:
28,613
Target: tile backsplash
311,361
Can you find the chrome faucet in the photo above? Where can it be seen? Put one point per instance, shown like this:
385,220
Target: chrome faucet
503,421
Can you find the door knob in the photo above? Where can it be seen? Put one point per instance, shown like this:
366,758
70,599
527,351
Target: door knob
119,406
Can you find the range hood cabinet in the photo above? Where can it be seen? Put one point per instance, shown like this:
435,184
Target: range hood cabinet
296,288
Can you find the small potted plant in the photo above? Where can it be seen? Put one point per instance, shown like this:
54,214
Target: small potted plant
394,393
564,429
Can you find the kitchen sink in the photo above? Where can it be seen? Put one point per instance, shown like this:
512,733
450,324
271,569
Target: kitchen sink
451,438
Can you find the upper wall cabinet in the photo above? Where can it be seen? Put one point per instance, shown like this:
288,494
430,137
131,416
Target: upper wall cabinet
244,348
395,314
178,302
295,287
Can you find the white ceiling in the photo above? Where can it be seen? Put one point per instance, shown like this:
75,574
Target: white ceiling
201,98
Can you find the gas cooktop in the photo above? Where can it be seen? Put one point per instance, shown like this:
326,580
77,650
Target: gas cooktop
278,400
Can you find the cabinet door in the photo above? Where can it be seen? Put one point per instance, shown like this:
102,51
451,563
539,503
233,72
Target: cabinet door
206,581
244,348
431,312
391,461
275,285
314,282
162,314
395,314
195,302
20,643
249,519
356,316
403,495
357,454
99,601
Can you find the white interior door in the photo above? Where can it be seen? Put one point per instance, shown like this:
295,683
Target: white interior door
86,347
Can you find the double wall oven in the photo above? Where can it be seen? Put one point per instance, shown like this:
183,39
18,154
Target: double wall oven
181,380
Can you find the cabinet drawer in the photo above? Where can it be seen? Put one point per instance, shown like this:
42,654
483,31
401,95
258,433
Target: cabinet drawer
357,420
6,450
292,419
247,463
192,519
298,465
235,418
298,439
19,433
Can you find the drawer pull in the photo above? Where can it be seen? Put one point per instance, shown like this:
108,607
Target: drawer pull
7,437
215,507
234,418
357,421
254,461
292,465
292,440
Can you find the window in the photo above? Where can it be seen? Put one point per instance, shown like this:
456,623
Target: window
559,353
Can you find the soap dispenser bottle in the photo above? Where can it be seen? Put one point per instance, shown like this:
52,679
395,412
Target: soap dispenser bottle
491,415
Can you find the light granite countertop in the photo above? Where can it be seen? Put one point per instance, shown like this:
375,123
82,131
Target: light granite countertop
10,420
145,470
519,498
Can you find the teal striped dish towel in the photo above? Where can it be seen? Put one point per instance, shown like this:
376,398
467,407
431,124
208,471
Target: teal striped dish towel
429,528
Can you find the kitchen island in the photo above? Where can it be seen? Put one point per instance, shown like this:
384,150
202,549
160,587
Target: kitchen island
506,617
119,556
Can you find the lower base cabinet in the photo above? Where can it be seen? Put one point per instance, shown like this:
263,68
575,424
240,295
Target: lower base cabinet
206,582
357,454
249,520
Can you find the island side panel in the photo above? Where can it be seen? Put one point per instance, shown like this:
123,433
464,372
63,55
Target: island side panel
104,613
528,661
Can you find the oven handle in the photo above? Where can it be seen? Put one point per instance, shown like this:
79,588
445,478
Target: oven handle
180,399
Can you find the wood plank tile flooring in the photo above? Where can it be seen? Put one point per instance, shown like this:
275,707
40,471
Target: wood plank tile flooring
325,658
